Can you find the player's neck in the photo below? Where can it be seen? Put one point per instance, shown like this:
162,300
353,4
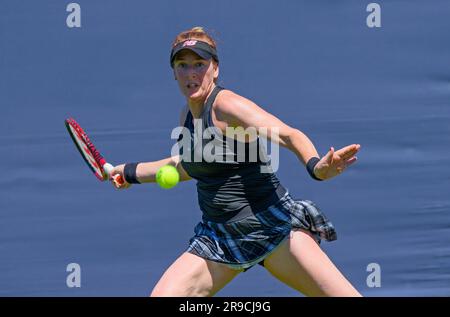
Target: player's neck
196,106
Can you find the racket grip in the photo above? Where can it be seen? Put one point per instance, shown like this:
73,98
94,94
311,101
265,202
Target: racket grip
118,179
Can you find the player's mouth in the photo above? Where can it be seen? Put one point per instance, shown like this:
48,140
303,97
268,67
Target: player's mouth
192,86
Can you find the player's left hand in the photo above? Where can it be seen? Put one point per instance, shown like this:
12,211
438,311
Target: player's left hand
335,162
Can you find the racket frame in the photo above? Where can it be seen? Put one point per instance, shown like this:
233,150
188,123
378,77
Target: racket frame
73,127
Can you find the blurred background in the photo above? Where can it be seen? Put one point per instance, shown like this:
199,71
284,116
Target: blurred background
314,64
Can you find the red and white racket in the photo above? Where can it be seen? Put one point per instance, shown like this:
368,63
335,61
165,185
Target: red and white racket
90,154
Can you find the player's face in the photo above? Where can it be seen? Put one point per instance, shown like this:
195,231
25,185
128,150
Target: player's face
195,75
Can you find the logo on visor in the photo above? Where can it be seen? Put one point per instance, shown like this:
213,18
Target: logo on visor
190,43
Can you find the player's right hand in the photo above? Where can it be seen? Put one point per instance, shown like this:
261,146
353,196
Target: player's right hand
118,170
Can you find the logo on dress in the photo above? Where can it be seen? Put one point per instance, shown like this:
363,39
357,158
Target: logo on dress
190,43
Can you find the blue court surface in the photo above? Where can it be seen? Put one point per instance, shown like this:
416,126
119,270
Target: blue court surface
316,65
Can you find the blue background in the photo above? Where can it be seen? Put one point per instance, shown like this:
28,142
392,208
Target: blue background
314,64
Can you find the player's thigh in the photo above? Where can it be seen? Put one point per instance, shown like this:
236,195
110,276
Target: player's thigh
191,275
300,263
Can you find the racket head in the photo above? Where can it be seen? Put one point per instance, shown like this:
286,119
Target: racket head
88,151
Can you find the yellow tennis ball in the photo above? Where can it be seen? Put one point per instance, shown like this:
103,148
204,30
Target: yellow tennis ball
167,176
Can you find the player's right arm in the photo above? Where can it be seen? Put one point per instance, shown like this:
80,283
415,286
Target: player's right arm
146,171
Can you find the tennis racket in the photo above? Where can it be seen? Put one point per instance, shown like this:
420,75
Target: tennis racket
90,154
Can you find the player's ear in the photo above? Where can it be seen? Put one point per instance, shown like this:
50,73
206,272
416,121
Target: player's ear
174,75
216,70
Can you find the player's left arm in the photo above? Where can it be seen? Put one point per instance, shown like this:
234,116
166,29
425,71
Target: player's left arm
238,111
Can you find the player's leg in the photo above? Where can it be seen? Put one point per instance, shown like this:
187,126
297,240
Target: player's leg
300,263
191,275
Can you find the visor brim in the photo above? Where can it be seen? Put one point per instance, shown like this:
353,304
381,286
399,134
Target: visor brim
202,49
203,54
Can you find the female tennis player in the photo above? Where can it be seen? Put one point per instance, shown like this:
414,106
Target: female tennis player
248,218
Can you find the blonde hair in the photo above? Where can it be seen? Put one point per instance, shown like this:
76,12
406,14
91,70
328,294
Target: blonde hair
196,33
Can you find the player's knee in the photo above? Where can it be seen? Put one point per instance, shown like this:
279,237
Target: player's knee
179,291
164,291
160,292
